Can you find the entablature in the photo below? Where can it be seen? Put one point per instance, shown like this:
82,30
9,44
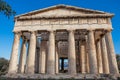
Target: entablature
62,27
62,21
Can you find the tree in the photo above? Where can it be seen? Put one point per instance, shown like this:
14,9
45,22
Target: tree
6,9
3,66
118,61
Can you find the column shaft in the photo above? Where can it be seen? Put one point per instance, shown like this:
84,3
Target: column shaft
51,54
28,43
99,57
82,57
57,60
71,53
92,53
21,68
42,57
31,54
87,63
111,54
104,56
87,55
37,59
14,55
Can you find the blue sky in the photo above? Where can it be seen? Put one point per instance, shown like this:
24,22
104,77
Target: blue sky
23,6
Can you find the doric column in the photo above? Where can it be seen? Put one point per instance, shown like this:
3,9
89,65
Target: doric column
28,43
87,57
46,56
82,57
42,57
14,55
31,54
57,59
87,63
21,67
37,59
71,53
77,56
92,53
111,54
51,54
104,56
99,57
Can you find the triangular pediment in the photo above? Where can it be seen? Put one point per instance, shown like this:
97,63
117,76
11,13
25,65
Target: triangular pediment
61,11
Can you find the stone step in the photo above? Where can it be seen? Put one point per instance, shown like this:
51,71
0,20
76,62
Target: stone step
58,77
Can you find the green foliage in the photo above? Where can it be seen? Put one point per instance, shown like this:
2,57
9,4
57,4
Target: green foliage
118,57
6,9
3,66
118,61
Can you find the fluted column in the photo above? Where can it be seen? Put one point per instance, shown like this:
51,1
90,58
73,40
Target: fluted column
82,57
57,59
31,54
42,57
92,53
71,53
104,55
51,54
21,67
37,59
99,57
14,54
87,57
111,54
87,63
28,43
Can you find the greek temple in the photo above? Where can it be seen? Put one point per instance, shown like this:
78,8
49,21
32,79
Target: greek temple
52,35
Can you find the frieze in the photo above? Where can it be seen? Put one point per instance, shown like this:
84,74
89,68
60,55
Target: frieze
63,21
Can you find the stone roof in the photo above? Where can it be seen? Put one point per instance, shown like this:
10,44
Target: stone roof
88,12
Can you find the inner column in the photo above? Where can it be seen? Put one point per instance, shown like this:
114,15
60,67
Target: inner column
82,57
31,54
51,54
92,53
71,53
42,57
56,58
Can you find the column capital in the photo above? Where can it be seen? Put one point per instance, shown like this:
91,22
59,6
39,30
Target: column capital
108,30
18,32
33,32
71,30
51,31
90,30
